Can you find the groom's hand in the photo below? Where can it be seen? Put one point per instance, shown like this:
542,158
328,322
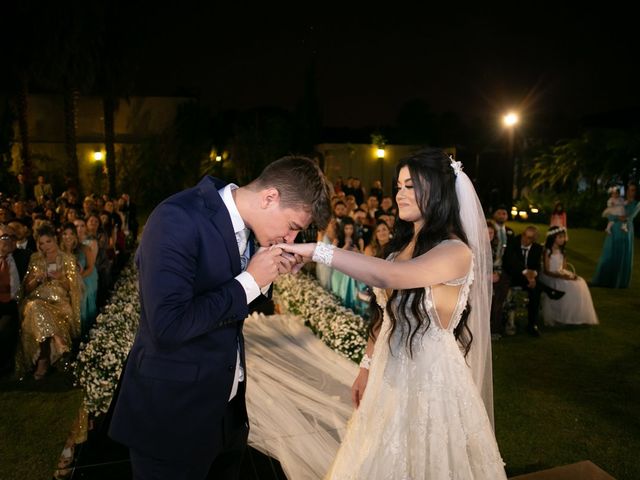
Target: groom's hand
264,265
288,263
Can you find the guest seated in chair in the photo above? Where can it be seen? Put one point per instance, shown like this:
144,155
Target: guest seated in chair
13,265
576,306
51,305
522,261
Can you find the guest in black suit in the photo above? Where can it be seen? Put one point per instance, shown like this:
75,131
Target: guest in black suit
24,238
504,234
522,262
13,266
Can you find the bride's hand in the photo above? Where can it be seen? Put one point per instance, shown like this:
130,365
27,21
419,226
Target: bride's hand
359,386
305,250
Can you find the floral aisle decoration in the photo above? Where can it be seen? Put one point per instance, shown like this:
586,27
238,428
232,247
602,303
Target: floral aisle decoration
337,326
99,363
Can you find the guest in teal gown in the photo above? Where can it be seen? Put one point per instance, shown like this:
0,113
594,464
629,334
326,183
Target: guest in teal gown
329,236
87,259
342,285
616,260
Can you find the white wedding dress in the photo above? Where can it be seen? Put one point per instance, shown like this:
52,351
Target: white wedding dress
576,306
421,417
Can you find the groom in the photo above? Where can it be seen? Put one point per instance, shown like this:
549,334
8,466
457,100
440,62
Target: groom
181,408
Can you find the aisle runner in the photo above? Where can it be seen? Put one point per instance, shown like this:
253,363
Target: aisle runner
298,394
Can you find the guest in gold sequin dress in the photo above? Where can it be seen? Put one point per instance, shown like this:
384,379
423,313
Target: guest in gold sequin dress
50,306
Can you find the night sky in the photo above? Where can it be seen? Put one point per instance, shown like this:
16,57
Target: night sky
369,62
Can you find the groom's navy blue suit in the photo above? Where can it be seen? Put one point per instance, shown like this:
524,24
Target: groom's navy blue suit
180,371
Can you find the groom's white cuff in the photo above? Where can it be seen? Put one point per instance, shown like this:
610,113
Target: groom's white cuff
251,288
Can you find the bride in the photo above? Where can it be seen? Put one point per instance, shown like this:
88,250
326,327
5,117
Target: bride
427,368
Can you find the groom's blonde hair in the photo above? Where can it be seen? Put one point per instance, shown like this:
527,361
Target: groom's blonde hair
301,185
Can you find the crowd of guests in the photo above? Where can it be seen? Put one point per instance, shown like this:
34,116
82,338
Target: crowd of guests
59,257
364,222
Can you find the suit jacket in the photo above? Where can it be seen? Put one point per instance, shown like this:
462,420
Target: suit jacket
513,261
178,377
21,257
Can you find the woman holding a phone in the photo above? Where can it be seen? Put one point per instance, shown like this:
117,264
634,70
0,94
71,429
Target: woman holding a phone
50,304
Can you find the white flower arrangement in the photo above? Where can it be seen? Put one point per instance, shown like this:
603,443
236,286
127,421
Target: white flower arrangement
337,326
99,363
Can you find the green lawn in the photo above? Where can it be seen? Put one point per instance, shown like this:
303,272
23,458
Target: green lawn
574,393
571,395
35,419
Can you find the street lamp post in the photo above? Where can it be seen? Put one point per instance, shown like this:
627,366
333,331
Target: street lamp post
510,120
380,154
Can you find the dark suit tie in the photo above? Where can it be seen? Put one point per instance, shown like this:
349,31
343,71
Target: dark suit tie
525,254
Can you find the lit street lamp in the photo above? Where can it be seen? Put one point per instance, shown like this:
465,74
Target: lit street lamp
380,154
510,120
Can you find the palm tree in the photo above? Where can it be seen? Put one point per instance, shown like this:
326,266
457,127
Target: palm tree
122,40
22,34
72,57
593,157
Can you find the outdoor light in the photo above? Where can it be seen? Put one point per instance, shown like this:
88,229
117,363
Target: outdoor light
380,153
218,158
98,156
534,210
510,119
523,215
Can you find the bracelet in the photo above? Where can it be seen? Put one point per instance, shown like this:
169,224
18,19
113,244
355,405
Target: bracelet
365,362
323,253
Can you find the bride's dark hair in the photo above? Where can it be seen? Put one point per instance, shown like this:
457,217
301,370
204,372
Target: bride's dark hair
434,187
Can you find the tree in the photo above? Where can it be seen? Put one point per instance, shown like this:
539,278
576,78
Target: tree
70,61
308,119
591,158
260,137
120,47
169,162
6,140
23,34
578,170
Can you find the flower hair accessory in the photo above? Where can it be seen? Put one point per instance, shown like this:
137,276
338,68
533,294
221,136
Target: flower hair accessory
456,165
555,230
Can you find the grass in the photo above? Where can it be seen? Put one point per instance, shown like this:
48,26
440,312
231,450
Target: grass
573,394
35,419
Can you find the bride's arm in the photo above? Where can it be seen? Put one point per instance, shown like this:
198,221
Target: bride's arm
360,383
445,262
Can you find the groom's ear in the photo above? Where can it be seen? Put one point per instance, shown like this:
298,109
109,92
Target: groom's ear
269,197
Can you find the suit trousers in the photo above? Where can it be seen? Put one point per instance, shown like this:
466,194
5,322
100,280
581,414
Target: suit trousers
9,327
534,305
226,465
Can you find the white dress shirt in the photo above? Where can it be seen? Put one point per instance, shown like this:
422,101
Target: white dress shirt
251,288
13,276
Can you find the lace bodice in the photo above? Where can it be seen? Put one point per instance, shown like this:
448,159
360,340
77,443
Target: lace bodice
429,304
